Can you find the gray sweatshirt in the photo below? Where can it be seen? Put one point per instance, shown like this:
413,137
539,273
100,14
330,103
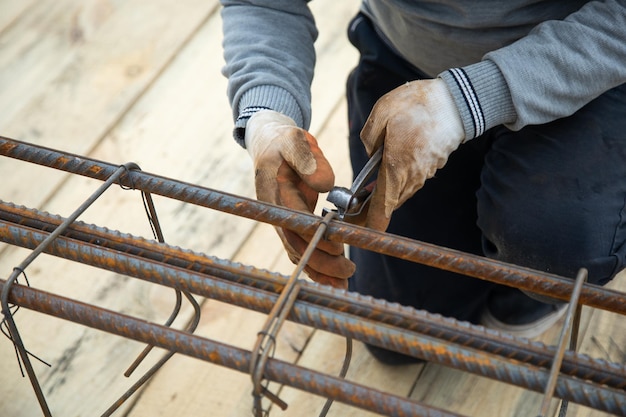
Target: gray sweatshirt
514,62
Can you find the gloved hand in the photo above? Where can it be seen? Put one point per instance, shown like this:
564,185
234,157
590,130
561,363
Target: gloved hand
420,126
290,170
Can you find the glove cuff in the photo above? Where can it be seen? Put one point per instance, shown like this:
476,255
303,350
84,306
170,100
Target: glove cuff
481,95
266,97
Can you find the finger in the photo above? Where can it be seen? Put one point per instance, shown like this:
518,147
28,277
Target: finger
376,218
295,194
373,131
292,191
378,212
316,276
337,266
266,186
327,280
294,255
308,160
331,248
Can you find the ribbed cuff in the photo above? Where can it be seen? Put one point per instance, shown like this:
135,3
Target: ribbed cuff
481,95
266,97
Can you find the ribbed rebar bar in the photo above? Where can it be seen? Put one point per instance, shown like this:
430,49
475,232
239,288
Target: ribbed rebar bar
219,353
443,258
366,330
266,337
19,269
564,341
534,353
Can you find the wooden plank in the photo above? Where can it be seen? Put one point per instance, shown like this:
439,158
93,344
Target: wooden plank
176,106
37,48
604,337
262,249
81,357
186,386
471,395
103,59
12,11
325,353
335,59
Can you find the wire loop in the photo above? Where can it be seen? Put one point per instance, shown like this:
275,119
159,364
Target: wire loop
266,340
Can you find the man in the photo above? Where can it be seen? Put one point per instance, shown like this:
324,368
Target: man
504,133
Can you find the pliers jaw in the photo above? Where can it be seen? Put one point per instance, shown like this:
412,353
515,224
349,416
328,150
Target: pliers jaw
350,202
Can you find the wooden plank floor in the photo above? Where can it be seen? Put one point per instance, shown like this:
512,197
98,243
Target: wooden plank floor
140,81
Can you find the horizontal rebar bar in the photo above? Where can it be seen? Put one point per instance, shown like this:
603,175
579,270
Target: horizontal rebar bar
219,353
535,353
428,254
14,334
366,330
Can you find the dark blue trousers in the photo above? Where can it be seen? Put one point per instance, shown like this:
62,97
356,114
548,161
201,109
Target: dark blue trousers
549,197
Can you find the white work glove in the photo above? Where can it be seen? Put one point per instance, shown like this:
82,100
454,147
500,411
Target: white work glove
420,126
290,171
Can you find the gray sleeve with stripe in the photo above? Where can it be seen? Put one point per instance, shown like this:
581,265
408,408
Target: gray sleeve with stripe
553,71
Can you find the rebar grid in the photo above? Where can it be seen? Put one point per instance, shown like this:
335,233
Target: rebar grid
591,382
366,329
24,227
305,224
219,353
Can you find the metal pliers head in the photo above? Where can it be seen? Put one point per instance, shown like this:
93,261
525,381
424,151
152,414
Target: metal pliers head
350,202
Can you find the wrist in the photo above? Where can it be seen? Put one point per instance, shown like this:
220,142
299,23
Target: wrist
262,127
481,96
264,97
449,118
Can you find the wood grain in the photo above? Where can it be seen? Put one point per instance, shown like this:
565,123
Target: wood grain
140,81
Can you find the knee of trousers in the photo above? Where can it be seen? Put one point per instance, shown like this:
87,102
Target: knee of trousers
557,241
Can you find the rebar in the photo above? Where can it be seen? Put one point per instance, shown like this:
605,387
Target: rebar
337,321
14,334
266,339
564,340
591,382
305,223
219,353
535,353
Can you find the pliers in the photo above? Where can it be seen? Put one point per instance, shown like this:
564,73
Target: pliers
350,202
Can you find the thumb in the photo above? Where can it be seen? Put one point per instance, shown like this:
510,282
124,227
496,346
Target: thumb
379,210
374,130
307,159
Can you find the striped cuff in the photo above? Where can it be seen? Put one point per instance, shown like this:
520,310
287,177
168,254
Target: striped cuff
239,132
470,99
481,95
265,97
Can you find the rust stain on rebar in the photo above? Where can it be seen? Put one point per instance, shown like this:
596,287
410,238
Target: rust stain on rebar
238,285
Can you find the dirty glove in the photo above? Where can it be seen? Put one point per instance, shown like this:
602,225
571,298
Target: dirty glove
420,126
290,171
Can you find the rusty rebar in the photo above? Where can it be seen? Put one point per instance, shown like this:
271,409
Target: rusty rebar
266,338
535,353
337,321
219,353
380,334
305,223
564,341
14,334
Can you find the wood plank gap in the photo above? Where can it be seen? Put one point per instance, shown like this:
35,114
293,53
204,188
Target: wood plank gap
157,74
10,23
123,113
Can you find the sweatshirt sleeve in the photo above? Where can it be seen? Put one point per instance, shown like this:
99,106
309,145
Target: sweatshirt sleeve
270,58
556,69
